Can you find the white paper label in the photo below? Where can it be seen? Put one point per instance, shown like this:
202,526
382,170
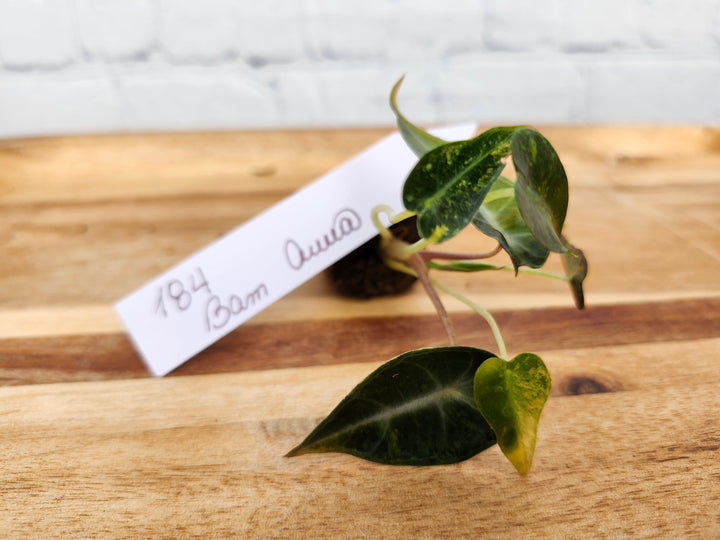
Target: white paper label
187,308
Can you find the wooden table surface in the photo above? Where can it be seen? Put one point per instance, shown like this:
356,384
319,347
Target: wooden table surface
91,446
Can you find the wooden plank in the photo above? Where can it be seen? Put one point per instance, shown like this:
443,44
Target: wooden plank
88,257
628,443
85,168
86,220
202,456
139,166
370,339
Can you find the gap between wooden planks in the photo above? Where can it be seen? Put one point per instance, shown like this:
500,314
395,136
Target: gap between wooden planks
306,343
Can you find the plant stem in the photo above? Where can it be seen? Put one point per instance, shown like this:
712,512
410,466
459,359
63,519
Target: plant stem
416,262
402,215
383,231
521,270
482,312
536,272
427,255
402,251
392,216
412,268
411,259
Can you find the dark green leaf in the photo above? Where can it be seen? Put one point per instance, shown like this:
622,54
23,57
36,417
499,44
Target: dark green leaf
416,409
511,396
499,217
576,268
419,140
541,188
449,183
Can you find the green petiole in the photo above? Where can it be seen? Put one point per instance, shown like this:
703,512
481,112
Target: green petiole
480,311
476,267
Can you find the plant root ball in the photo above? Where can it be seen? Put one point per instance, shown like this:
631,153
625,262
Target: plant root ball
363,274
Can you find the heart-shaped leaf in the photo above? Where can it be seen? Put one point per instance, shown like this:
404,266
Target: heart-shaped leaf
511,396
419,140
416,409
449,183
541,189
499,217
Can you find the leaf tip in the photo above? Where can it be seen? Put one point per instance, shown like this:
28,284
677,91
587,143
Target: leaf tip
521,453
578,294
521,459
299,450
576,267
393,94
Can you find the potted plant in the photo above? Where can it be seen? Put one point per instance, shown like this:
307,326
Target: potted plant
443,405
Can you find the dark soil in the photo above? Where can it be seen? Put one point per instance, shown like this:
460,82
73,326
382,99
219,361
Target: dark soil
363,274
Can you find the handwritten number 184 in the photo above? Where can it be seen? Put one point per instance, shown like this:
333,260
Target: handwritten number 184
177,295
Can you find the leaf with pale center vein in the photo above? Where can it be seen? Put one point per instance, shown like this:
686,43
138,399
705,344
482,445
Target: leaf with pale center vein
416,409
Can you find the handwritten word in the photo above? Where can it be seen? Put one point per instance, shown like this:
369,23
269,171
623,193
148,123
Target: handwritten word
346,221
218,314
178,295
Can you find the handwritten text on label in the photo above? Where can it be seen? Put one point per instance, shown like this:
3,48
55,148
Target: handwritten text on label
346,222
176,295
179,313
219,313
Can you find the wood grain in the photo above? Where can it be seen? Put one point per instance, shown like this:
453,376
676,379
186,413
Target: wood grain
87,220
201,456
93,447
370,339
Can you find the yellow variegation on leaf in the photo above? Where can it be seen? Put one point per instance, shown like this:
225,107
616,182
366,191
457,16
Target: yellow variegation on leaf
511,396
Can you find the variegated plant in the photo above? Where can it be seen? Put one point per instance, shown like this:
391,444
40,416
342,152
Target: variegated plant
443,405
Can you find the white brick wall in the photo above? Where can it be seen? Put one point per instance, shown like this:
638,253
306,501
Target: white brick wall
36,35
78,66
115,31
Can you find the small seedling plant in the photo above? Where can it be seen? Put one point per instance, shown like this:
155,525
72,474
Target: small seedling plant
443,405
